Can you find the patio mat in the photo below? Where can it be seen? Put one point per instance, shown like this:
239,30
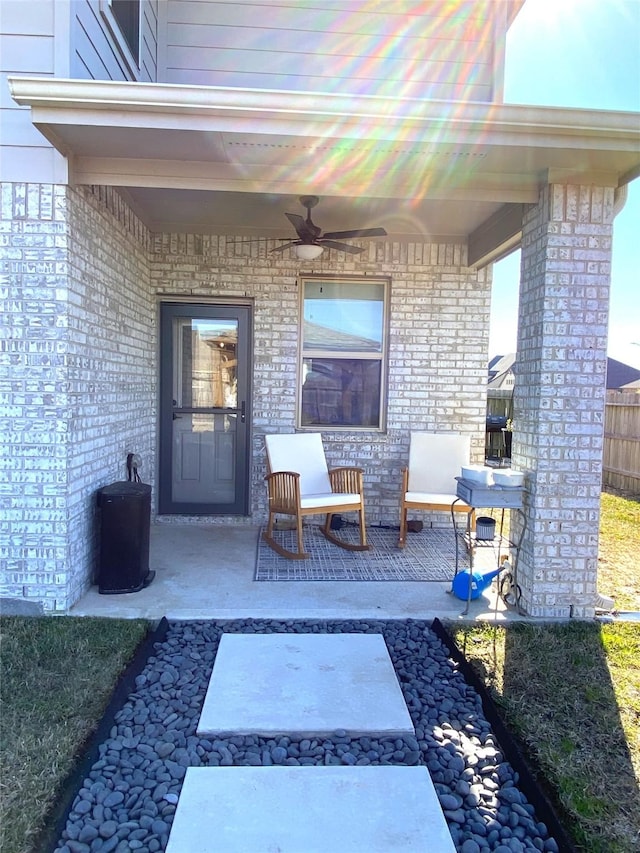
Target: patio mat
427,556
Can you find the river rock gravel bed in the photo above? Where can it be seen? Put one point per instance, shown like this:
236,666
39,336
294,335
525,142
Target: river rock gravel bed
128,799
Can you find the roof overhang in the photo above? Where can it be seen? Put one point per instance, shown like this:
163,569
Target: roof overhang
231,161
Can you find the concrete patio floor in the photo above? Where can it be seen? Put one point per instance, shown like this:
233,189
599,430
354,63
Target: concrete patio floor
206,572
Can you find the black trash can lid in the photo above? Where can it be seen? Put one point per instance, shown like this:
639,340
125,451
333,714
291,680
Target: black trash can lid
125,487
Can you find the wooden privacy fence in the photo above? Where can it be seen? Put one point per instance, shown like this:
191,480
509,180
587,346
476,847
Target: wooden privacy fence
621,459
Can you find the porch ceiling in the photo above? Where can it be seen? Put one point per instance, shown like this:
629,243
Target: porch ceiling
230,161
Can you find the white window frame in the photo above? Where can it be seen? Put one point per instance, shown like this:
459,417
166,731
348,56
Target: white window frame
133,65
381,357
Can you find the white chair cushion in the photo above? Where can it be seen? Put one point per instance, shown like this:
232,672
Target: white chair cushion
330,499
435,461
303,453
434,498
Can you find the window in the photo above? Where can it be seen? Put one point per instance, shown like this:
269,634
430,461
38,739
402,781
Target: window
343,352
127,15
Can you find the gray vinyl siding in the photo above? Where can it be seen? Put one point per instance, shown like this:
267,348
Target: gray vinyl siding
59,38
28,45
149,41
97,52
327,47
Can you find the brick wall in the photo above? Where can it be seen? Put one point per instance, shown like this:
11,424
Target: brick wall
34,524
112,359
78,378
438,345
560,394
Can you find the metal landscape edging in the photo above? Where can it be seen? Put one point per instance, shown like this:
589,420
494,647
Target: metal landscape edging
56,819
530,780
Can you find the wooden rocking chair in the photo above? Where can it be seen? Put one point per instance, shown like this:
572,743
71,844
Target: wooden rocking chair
428,483
300,484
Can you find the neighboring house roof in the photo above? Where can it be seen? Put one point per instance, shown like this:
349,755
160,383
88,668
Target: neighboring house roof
501,376
321,337
620,375
492,363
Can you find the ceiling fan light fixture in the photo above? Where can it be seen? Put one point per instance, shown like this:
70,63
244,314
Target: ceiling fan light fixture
308,251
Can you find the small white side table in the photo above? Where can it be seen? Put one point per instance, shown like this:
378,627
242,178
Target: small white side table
490,497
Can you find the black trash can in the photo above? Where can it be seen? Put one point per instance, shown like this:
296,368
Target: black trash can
125,513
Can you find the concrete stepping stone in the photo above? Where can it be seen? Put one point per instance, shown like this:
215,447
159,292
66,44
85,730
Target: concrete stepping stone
308,810
304,685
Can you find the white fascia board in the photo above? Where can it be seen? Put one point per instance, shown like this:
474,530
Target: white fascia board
136,104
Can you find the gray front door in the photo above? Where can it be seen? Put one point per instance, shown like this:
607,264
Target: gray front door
204,405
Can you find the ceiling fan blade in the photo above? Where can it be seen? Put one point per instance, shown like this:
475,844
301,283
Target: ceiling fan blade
356,232
285,246
252,239
343,247
302,227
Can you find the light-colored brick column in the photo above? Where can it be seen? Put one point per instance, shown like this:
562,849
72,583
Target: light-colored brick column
560,394
34,444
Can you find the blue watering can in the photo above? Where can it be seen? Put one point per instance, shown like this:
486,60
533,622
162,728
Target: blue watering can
478,581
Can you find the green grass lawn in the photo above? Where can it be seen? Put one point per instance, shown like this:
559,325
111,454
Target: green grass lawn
571,695
56,677
618,574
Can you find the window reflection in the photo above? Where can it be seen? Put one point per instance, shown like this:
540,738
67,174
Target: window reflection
340,392
343,316
343,352
207,374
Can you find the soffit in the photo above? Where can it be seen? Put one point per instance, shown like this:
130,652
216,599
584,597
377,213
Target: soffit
228,161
